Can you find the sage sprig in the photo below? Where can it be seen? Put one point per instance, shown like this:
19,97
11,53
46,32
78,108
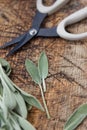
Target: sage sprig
76,118
14,102
39,74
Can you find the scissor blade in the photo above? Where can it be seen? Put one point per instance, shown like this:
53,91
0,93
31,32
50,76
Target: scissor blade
48,32
20,44
14,41
38,19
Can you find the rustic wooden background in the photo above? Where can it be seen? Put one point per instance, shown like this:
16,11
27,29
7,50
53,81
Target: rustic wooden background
67,79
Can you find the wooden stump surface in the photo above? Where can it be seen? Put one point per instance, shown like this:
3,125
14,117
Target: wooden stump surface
67,79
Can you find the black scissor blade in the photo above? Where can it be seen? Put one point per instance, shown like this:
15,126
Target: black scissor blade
14,41
38,19
20,44
48,32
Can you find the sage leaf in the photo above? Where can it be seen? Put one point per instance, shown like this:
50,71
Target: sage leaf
43,68
8,97
33,71
3,111
2,118
9,125
5,78
29,98
76,118
14,123
3,128
43,65
21,106
25,125
1,89
32,100
6,66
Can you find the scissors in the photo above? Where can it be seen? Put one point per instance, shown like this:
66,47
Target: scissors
36,30
71,19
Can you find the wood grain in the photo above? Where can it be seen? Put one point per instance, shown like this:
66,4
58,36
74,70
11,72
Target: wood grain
67,79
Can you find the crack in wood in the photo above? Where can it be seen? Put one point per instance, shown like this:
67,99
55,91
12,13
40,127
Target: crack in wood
65,58
65,76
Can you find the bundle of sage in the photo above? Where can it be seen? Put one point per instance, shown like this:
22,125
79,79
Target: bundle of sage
39,74
14,102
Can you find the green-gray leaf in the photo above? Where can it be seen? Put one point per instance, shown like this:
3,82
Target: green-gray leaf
33,71
14,122
8,97
6,79
5,65
9,125
43,65
29,98
3,128
1,89
3,111
2,118
76,118
21,106
25,125
32,100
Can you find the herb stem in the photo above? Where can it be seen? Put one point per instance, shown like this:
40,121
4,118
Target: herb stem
44,85
43,98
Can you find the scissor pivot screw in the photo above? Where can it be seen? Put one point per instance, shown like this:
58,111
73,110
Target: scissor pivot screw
33,32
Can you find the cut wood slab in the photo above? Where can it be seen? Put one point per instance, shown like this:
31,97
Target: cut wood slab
67,79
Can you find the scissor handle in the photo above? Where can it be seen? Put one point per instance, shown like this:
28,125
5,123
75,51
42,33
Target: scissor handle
73,18
50,9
